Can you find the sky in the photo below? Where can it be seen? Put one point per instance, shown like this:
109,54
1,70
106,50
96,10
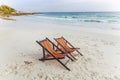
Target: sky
63,5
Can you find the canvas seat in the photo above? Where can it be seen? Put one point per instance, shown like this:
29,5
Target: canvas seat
66,46
50,47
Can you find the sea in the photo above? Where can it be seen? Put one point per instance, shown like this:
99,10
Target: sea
100,20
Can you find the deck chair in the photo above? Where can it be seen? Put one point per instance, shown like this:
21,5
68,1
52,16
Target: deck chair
49,47
66,46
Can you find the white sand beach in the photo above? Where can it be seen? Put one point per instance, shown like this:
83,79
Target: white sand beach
19,53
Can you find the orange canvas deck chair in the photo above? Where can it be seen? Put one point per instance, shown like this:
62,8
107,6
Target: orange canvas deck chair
66,46
49,47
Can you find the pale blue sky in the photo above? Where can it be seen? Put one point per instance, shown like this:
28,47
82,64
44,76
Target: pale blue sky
64,5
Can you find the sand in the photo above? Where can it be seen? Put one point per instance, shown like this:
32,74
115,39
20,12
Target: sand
19,54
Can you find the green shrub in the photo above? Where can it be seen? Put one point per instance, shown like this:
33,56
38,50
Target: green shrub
6,9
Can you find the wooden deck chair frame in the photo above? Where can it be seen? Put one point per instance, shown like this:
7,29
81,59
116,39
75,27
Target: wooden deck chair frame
68,44
54,58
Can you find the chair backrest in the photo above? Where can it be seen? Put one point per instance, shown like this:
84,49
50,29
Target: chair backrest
62,42
48,45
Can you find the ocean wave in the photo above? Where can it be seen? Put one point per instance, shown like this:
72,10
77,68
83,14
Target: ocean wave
98,21
82,17
75,19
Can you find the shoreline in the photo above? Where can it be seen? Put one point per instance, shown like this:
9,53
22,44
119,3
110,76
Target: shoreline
24,13
7,16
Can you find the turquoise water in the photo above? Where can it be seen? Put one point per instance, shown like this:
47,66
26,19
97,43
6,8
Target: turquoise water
101,20
78,17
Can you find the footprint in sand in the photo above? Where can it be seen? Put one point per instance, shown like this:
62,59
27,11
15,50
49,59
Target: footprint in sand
108,42
116,78
39,75
95,45
9,69
88,59
107,78
93,74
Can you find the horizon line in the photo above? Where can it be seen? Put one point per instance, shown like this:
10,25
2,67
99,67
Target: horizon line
81,11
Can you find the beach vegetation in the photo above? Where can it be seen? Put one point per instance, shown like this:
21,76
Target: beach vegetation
6,10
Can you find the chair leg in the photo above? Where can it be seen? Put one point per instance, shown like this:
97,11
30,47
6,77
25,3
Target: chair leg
42,59
70,58
72,46
63,64
67,62
79,53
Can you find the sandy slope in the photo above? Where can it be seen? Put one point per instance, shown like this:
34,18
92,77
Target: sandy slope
17,45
